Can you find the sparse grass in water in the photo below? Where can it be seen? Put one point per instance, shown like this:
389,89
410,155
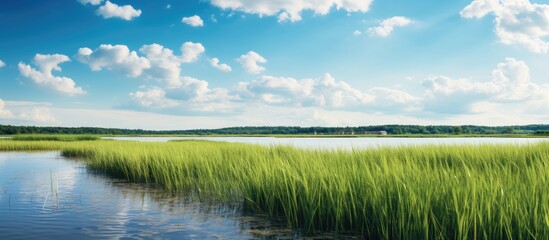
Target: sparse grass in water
437,192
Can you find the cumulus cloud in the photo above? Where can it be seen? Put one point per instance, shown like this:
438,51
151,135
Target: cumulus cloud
158,62
221,67
454,96
44,76
92,2
516,21
513,81
250,62
193,21
387,26
324,92
112,10
114,57
2,64
165,66
191,89
154,97
4,113
390,100
195,90
188,95
291,10
510,83
191,51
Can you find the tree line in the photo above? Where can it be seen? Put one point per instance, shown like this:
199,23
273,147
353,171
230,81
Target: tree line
286,130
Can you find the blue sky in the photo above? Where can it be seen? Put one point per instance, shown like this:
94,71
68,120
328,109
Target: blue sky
218,63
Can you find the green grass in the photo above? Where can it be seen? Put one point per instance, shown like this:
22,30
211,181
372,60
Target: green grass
62,138
436,192
13,145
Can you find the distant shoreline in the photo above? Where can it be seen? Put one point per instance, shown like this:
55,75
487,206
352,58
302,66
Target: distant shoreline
398,131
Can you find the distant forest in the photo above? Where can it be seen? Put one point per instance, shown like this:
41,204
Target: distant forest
281,130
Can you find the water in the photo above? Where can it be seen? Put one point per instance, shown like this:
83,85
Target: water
91,206
346,143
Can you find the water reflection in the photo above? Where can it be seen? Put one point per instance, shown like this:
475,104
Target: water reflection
95,206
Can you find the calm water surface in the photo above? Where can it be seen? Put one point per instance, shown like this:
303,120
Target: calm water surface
90,206
347,143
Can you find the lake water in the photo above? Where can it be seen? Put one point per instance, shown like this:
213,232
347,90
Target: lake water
46,196
344,143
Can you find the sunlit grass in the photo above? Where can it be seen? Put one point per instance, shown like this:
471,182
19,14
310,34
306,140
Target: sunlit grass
440,192
12,145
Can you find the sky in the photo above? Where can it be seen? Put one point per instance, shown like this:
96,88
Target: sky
169,64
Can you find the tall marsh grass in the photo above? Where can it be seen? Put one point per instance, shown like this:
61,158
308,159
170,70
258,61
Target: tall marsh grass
436,192
13,145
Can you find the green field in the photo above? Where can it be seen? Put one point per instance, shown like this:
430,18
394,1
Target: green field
437,192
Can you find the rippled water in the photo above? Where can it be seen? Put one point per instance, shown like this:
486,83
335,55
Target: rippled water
86,205
344,142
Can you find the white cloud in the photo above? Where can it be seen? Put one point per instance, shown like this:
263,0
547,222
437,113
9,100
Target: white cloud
4,113
510,83
454,96
357,33
117,57
192,89
26,112
154,97
158,63
507,97
45,77
221,67
291,10
390,100
92,2
323,92
111,10
191,51
38,115
187,96
387,26
478,9
165,66
516,21
2,64
194,21
445,85
250,62
513,80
